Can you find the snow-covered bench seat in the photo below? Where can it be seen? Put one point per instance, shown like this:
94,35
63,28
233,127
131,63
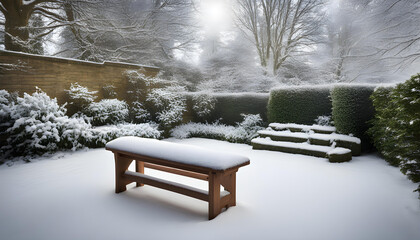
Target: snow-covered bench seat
218,168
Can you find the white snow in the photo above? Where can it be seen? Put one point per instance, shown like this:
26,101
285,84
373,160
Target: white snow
306,146
279,196
339,150
180,153
305,128
286,133
335,137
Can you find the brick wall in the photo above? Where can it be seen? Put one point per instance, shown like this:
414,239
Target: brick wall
54,75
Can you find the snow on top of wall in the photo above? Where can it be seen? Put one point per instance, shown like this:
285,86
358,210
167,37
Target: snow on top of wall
77,60
180,153
238,94
303,146
303,87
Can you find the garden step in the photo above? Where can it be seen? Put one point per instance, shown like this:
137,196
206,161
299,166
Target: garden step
302,128
334,154
338,140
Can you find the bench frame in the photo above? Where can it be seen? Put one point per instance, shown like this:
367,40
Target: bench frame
215,178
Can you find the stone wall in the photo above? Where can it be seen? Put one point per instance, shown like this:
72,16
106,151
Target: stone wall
23,72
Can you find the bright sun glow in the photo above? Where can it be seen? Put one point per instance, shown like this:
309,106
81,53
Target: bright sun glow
215,14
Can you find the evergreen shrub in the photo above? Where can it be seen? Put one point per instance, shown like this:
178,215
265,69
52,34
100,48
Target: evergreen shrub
352,109
396,126
300,104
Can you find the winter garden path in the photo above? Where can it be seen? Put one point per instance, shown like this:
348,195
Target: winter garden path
279,196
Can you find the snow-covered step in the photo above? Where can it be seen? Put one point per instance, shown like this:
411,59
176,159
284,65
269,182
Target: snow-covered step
334,154
302,128
338,140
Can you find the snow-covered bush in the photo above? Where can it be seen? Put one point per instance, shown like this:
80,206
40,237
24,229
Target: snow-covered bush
139,113
300,104
107,111
155,99
324,121
101,135
40,125
203,104
396,126
5,101
80,97
168,105
243,132
352,109
109,91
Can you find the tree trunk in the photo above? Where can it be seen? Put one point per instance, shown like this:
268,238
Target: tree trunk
16,30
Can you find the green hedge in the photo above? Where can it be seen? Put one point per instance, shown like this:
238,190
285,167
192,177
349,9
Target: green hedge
229,107
352,109
302,104
396,127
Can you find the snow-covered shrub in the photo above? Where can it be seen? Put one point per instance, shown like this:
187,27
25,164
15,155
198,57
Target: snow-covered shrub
80,97
157,99
101,135
5,101
300,104
109,91
352,109
40,125
168,105
396,126
203,104
139,113
324,121
107,111
243,132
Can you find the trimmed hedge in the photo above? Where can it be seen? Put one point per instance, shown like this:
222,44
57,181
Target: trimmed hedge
302,104
229,107
352,109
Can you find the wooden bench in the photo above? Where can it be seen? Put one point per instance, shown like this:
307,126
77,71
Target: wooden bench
218,168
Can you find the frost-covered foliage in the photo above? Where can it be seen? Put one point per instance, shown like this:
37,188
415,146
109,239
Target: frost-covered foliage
396,126
80,97
35,124
155,99
39,125
102,135
324,121
109,91
203,104
107,111
5,101
169,105
243,132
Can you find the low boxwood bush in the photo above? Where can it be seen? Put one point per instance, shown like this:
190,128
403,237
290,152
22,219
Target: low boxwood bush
301,104
243,132
352,109
396,126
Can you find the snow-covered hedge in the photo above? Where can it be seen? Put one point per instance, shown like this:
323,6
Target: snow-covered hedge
228,107
396,126
352,109
243,132
300,104
107,111
79,98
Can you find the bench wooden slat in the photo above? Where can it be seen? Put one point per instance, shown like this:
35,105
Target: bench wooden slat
177,171
167,185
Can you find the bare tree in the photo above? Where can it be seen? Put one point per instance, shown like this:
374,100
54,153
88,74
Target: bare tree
279,29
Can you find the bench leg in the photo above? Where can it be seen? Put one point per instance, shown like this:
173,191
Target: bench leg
229,183
121,165
139,169
214,195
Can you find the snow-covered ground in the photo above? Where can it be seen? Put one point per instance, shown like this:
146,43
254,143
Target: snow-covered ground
279,196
